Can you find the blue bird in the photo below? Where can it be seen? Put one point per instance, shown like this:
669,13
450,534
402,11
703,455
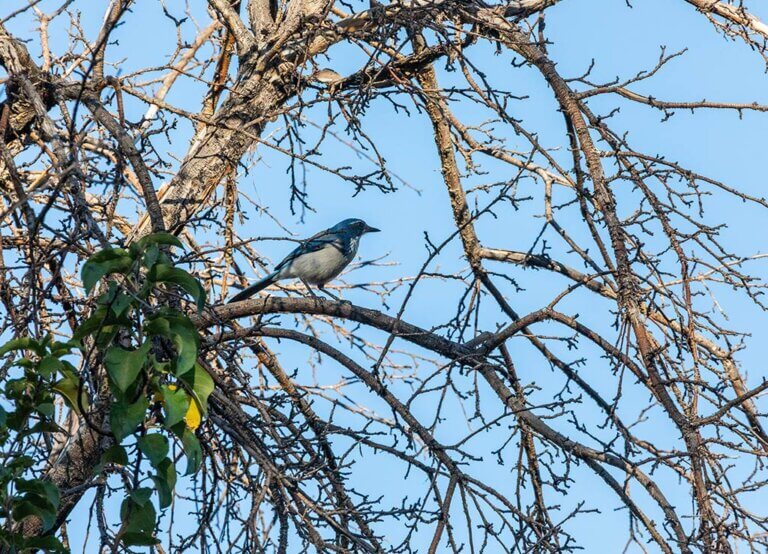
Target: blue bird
318,259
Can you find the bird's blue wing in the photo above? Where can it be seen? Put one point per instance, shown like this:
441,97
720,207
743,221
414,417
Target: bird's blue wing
312,244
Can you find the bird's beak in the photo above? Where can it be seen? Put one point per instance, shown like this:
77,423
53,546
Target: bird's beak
369,229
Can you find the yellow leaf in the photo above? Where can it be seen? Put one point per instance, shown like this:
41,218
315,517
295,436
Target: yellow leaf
194,415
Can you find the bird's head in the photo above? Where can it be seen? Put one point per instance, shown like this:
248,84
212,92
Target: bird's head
354,227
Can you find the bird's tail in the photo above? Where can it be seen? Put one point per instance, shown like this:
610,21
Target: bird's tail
254,288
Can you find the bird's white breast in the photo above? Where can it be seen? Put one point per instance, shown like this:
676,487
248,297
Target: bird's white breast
319,267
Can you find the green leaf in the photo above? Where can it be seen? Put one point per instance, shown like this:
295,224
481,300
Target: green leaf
165,482
151,256
159,238
49,365
44,489
43,427
200,383
52,493
109,260
115,300
23,343
60,349
115,454
158,326
192,450
182,332
20,463
120,303
26,363
139,539
108,296
46,408
187,342
33,506
90,325
168,274
176,402
124,366
69,387
124,418
141,496
15,387
161,367
138,516
154,447
48,543
103,322
41,499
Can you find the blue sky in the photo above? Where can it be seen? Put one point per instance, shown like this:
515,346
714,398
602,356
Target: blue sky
622,41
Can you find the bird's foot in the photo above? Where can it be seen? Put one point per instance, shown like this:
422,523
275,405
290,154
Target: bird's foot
336,298
309,289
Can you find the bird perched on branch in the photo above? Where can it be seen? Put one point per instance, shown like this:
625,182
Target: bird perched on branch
318,259
326,76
